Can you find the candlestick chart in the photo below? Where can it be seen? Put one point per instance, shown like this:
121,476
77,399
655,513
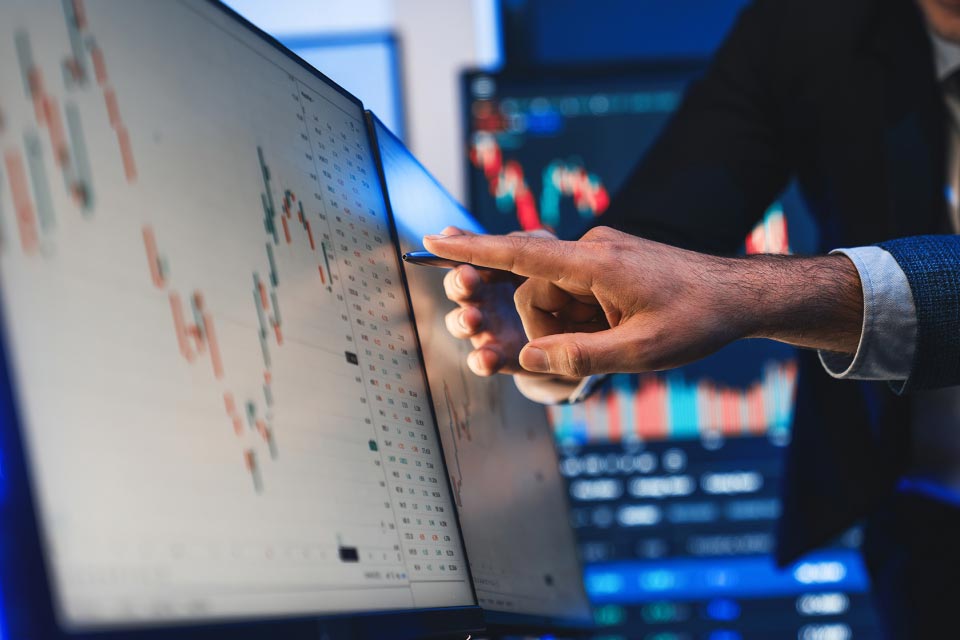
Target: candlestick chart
207,322
560,179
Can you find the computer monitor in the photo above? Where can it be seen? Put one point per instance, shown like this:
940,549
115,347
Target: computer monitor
498,445
674,477
218,407
551,147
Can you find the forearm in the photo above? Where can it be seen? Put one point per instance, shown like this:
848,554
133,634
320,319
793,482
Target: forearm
809,302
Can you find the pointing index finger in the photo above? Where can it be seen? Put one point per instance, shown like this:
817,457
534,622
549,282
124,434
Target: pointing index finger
527,256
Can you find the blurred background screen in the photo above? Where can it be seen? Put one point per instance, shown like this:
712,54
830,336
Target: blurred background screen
674,477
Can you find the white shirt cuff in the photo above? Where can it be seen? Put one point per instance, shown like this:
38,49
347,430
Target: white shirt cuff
889,333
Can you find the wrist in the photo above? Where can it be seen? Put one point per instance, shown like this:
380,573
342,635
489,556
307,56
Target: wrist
735,294
812,302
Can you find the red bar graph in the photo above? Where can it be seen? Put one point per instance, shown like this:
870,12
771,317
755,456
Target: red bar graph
180,327
22,204
58,138
231,406
35,80
80,14
508,184
99,65
126,153
113,107
153,258
656,407
209,335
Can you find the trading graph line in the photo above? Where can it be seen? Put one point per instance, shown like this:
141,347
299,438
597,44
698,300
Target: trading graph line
39,181
85,52
561,179
289,204
196,336
64,127
58,137
47,114
22,205
570,179
82,188
157,264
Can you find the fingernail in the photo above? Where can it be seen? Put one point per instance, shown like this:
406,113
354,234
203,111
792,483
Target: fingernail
458,278
461,320
534,359
473,361
435,236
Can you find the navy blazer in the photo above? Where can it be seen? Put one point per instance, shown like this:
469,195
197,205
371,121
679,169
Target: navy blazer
932,267
843,97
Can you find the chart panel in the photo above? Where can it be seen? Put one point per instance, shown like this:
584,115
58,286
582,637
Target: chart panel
222,399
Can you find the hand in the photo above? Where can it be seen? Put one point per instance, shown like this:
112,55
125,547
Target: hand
611,302
486,315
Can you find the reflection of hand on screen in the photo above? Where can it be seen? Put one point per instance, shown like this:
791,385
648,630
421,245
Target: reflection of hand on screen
486,315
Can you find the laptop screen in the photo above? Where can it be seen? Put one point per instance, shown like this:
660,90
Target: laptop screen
498,445
221,396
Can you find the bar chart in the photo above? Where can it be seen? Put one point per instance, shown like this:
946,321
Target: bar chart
671,407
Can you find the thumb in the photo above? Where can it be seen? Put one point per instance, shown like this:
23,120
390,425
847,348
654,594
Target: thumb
578,354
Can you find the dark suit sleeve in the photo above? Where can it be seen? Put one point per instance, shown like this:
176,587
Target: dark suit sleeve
932,267
721,160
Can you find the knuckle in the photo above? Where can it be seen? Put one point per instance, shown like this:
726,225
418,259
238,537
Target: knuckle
522,249
523,296
532,294
601,233
543,233
575,359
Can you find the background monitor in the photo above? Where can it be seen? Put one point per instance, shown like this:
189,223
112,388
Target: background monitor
498,445
551,147
674,477
219,394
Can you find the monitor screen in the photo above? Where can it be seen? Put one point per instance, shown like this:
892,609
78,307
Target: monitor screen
221,397
674,477
551,149
500,454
